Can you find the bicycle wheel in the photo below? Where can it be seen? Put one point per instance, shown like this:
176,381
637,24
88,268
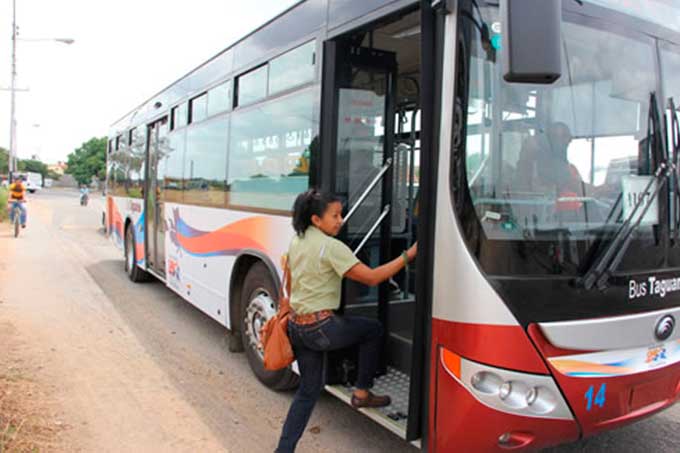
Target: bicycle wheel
17,222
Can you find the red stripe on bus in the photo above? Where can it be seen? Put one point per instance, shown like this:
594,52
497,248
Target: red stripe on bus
500,346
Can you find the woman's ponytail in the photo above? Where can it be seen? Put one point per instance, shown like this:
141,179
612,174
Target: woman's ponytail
307,204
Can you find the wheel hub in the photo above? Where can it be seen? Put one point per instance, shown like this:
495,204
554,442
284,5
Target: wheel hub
260,309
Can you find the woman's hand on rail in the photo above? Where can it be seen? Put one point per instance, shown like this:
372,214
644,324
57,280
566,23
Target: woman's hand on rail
412,252
372,277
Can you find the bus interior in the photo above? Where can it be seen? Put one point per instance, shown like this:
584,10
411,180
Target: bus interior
377,155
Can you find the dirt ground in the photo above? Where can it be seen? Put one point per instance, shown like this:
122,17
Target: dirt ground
30,417
72,375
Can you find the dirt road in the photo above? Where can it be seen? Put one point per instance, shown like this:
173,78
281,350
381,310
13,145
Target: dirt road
113,366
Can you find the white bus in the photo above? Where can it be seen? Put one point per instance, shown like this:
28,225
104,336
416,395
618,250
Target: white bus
533,155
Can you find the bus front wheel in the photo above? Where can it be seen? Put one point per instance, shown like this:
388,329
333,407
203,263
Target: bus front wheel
135,273
258,304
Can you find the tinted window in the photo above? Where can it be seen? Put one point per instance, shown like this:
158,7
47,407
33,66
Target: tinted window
199,108
134,162
252,86
270,148
219,99
205,163
179,116
171,167
292,69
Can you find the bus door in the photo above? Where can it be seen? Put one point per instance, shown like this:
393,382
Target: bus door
364,165
369,170
154,215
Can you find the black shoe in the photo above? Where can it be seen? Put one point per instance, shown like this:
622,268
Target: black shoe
371,401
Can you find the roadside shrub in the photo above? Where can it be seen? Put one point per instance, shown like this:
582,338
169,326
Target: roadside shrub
4,193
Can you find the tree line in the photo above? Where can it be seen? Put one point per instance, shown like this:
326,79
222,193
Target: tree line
86,162
33,165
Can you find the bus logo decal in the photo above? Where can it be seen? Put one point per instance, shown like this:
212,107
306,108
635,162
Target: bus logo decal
656,355
664,328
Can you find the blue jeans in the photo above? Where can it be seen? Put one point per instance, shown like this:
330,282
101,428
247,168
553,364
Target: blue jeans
22,208
309,344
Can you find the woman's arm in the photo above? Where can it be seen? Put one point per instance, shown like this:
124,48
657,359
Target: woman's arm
372,277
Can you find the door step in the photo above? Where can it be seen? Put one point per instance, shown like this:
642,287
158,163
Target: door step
393,417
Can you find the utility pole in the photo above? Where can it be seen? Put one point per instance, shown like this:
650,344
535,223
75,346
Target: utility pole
13,123
13,88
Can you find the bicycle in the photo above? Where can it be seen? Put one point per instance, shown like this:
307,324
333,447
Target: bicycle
15,215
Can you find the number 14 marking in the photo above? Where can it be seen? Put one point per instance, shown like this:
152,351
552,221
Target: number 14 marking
600,398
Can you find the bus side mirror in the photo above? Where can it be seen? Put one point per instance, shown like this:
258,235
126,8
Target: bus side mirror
532,40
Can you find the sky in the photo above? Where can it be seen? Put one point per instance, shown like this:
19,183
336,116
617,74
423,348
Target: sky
125,51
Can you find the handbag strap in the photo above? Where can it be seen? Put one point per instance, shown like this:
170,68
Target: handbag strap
284,288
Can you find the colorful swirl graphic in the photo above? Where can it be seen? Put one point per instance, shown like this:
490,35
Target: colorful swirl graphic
257,233
581,368
115,220
140,252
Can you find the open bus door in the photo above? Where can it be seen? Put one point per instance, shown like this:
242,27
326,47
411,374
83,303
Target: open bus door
154,211
371,148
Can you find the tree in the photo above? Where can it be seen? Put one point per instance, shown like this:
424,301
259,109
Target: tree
33,165
4,161
89,160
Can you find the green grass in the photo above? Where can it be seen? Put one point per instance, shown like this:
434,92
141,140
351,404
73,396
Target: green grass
3,203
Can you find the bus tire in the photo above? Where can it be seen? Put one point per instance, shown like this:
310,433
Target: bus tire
233,342
134,272
259,301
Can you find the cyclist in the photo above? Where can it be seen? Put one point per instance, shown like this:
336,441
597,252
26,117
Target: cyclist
17,197
84,194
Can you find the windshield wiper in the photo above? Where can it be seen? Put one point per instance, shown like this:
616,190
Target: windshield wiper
599,271
675,147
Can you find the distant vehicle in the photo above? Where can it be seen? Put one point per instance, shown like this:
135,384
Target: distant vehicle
48,182
33,180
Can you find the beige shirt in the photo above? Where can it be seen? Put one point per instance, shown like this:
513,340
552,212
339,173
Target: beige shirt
317,264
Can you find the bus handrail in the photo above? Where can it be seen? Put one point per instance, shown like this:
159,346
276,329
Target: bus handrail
377,223
479,171
378,177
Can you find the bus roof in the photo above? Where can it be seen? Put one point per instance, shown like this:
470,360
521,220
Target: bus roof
299,22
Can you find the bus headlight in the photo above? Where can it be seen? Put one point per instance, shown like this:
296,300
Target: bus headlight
514,392
541,400
532,396
488,383
505,390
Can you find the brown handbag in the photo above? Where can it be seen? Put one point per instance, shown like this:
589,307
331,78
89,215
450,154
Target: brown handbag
278,352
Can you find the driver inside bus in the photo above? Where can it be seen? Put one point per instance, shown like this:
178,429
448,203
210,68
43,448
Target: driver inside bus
543,164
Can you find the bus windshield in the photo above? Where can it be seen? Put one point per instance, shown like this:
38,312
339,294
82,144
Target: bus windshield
555,159
564,162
